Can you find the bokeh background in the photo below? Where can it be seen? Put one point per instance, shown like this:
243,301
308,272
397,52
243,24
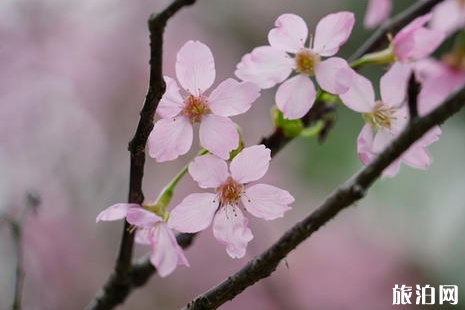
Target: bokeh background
73,76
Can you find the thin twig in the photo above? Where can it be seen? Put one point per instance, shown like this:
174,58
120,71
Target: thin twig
118,284
349,192
16,226
393,25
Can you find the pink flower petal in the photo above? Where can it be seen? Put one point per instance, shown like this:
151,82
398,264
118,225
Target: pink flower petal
414,41
166,253
334,75
360,97
417,157
366,154
144,236
437,88
230,228
392,170
115,212
250,164
232,97
448,16
265,66
290,33
142,218
195,67
172,102
266,201
170,138
295,96
218,135
401,118
364,145
393,84
426,42
431,136
427,68
413,26
381,140
194,213
377,12
209,171
332,31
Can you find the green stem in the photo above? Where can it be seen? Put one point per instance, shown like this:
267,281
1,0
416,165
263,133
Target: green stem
159,207
382,57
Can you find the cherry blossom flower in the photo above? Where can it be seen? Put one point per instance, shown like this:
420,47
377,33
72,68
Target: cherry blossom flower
152,230
195,70
414,41
270,65
386,118
448,16
197,211
377,12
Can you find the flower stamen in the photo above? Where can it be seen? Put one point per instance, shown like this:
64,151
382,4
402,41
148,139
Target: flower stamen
381,117
305,61
195,107
229,192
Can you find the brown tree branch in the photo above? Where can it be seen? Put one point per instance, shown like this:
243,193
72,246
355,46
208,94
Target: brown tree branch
349,192
393,25
118,284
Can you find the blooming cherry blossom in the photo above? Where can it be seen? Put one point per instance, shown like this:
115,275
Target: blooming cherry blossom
270,65
151,230
197,211
179,109
386,118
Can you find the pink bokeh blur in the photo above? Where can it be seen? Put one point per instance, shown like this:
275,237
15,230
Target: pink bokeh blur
73,77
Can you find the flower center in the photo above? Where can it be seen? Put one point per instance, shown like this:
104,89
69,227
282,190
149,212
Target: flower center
229,192
381,117
305,61
195,107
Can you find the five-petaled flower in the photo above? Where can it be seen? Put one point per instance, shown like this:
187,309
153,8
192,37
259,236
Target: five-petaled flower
270,65
151,229
198,210
172,135
387,118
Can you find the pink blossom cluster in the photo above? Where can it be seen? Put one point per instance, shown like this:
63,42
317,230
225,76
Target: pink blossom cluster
302,70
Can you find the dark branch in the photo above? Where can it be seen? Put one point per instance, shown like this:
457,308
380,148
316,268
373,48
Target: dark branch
118,284
413,89
379,38
349,192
